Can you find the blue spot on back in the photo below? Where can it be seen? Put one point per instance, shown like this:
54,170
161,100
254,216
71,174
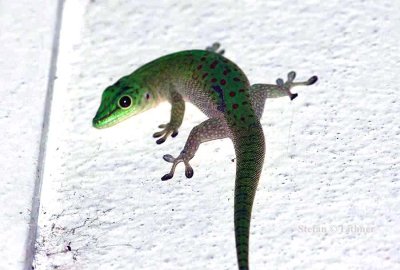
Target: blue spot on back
221,102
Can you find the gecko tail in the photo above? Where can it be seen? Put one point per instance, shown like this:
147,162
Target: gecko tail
250,151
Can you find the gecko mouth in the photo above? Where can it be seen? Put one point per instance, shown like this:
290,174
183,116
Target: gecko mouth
105,121
110,119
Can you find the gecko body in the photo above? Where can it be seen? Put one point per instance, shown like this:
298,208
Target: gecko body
221,90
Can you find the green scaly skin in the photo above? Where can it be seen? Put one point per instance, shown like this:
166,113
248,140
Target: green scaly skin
220,89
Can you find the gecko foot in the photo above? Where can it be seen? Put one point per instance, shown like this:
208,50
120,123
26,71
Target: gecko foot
175,161
286,86
168,129
215,47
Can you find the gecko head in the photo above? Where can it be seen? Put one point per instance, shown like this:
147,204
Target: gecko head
120,101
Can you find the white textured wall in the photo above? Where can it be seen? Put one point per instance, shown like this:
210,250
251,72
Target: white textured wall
26,35
332,159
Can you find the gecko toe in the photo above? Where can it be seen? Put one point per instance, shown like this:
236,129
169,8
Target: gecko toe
158,134
160,141
291,76
174,134
189,172
167,176
312,80
293,96
169,158
214,48
279,82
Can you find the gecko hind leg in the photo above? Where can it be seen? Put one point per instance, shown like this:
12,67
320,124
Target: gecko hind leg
284,87
214,48
211,129
281,88
260,92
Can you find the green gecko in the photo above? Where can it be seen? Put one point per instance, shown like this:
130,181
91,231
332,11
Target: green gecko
221,90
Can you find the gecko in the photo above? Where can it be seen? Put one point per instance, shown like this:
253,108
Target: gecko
221,90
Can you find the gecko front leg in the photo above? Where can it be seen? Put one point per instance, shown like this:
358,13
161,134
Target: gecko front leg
177,113
211,129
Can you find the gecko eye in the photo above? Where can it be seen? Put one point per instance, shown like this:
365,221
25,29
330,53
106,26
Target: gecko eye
125,102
